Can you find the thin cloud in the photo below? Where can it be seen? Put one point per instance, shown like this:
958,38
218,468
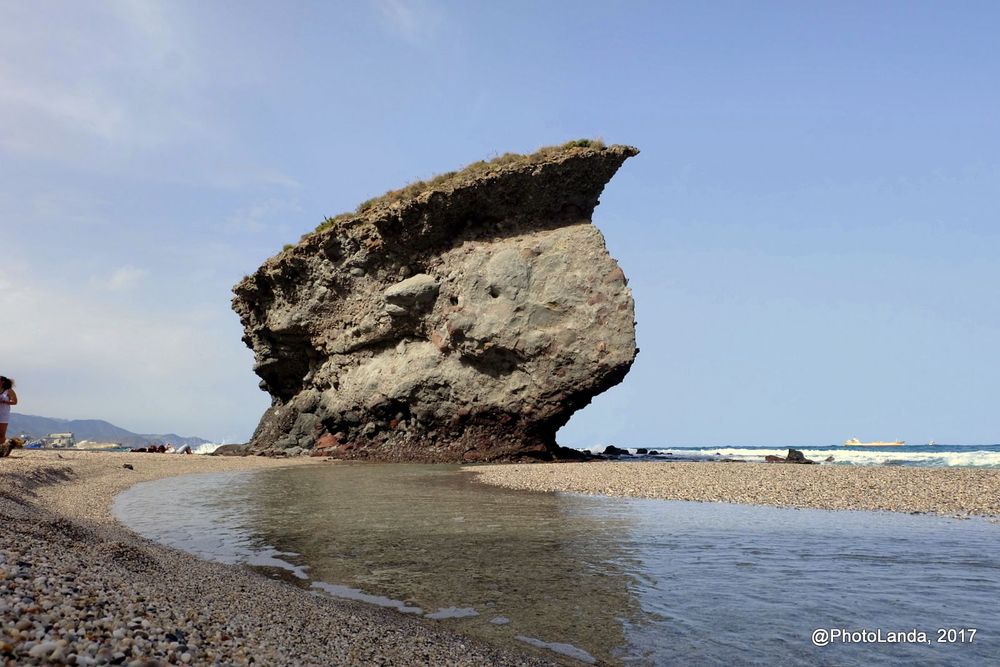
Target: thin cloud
261,215
414,20
62,328
102,88
121,279
78,355
78,109
64,105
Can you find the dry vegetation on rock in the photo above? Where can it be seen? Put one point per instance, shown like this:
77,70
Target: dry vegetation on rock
451,179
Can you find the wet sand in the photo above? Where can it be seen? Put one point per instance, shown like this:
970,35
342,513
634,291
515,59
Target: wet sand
77,587
948,491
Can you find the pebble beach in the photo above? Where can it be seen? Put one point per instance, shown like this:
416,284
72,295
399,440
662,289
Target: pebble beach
946,491
78,588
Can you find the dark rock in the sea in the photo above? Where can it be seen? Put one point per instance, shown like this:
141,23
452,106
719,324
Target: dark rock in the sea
794,456
642,450
464,319
654,452
828,459
231,450
611,450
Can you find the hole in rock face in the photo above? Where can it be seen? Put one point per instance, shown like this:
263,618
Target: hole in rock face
495,362
453,300
494,291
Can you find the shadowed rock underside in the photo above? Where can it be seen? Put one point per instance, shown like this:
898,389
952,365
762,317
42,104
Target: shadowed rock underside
467,323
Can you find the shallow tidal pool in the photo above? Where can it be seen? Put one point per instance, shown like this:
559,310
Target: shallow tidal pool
597,580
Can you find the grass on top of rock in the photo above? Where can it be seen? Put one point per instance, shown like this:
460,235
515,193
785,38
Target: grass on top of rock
475,170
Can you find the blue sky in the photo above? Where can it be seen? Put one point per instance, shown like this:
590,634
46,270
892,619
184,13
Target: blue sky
811,230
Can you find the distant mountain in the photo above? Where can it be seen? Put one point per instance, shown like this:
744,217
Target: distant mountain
91,429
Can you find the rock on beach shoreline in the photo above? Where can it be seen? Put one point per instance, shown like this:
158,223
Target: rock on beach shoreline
464,319
78,588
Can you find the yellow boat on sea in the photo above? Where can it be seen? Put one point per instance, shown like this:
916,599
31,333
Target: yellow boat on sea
854,442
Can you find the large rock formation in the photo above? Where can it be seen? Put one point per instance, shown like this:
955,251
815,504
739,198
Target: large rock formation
463,319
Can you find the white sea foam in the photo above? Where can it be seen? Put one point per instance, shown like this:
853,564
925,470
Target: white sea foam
206,447
453,612
561,648
937,458
349,593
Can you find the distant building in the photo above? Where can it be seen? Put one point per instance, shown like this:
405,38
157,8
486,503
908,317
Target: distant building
59,440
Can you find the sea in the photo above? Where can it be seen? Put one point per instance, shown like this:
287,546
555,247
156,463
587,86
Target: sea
596,580
934,456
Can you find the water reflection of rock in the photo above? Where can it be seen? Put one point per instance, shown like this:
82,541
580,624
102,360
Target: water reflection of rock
555,566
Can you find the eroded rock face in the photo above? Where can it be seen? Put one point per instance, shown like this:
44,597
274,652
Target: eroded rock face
468,323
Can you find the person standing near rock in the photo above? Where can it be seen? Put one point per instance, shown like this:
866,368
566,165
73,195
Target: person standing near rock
7,399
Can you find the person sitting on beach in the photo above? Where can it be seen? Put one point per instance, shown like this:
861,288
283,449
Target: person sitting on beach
7,399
